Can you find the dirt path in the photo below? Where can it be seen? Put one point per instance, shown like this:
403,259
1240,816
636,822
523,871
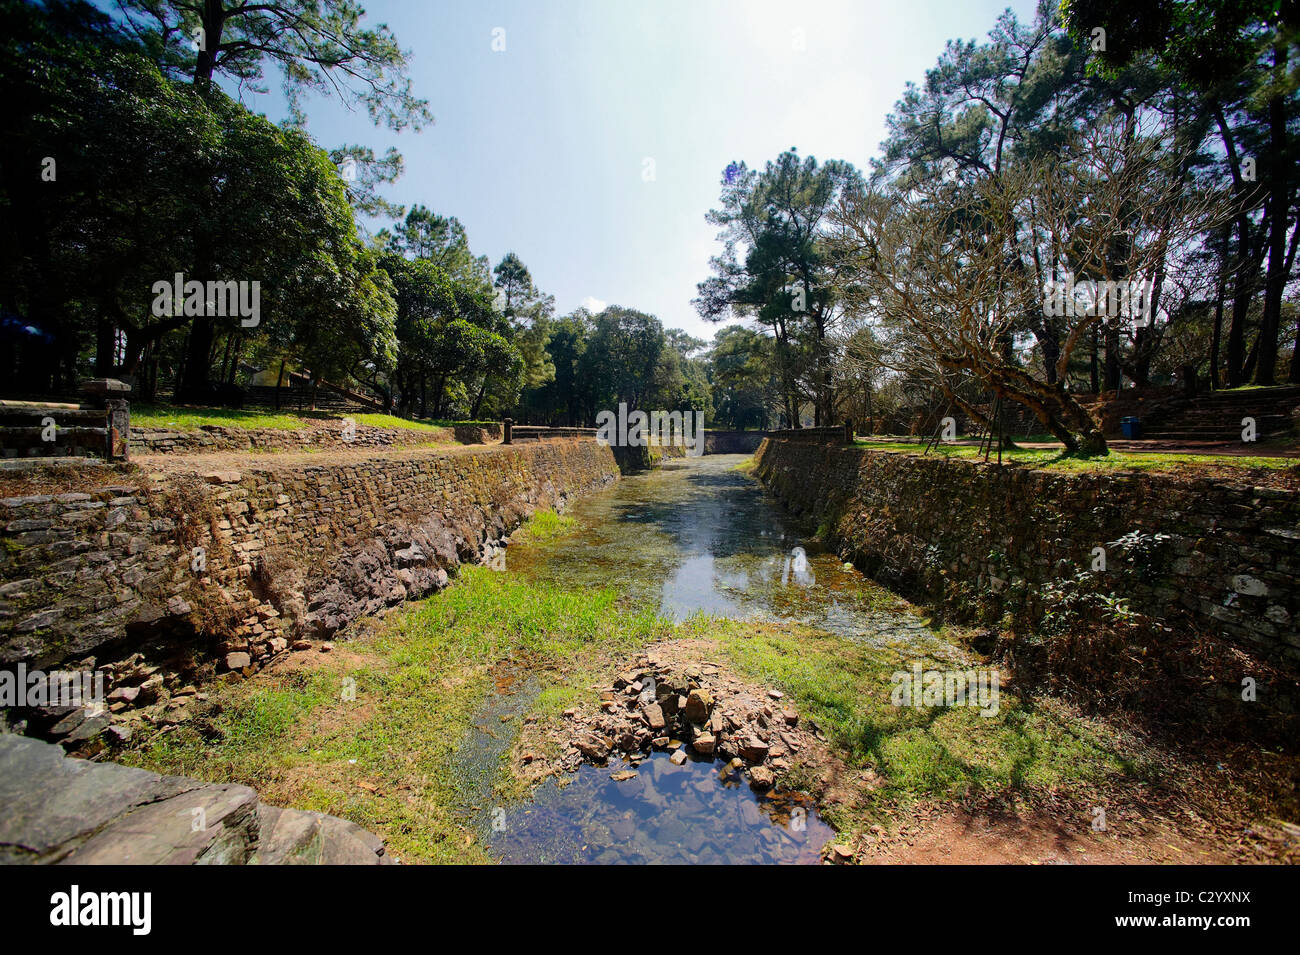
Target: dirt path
937,837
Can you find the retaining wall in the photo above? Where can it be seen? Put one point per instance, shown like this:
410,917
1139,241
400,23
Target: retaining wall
966,534
254,558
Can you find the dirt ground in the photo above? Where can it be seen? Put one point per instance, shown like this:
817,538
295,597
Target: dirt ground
1053,833
948,837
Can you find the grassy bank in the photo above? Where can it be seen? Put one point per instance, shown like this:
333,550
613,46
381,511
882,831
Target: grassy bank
183,418
1056,459
388,758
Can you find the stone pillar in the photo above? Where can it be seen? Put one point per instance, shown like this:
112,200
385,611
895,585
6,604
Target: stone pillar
119,430
507,427
110,394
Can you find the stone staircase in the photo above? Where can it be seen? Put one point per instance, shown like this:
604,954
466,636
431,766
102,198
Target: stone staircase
56,810
1217,416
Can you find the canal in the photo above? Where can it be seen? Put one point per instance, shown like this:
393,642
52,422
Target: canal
694,536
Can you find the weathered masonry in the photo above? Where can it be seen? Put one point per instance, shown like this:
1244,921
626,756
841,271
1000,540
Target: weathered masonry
966,533
231,567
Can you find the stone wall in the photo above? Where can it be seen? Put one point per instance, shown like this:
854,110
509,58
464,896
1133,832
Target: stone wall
226,569
732,442
966,534
322,435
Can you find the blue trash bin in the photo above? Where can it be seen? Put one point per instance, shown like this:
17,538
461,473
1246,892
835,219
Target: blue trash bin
1131,426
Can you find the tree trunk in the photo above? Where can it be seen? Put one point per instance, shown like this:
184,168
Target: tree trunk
1216,336
105,339
473,414
196,378
212,19
1279,207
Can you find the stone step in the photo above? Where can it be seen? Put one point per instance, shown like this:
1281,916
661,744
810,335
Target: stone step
211,825
55,809
301,837
1220,437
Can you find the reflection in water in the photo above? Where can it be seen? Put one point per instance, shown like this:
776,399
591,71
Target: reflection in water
700,812
797,571
694,535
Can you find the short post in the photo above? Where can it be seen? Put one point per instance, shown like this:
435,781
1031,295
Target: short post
119,429
110,394
507,427
848,430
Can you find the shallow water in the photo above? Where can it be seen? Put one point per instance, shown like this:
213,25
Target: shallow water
696,535
700,812
692,536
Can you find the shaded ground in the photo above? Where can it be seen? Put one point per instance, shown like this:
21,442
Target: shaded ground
935,836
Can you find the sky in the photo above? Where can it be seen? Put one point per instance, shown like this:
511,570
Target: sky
593,144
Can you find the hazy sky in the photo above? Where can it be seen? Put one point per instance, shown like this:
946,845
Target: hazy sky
542,148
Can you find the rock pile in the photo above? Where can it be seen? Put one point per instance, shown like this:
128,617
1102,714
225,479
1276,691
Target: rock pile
691,710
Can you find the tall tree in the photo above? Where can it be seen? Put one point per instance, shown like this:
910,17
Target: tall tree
320,46
777,219
1238,57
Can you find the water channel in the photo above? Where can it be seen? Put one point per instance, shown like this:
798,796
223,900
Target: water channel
694,535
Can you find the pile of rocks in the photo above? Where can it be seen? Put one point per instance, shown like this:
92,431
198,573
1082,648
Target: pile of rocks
691,709
138,694
260,635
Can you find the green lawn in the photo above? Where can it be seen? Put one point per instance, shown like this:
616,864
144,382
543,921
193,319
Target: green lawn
1060,460
1026,749
176,418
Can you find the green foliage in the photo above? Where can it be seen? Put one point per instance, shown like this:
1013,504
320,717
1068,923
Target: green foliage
778,220
156,177
744,387
320,47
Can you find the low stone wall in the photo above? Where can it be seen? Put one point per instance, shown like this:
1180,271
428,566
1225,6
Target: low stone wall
732,442
320,436
186,575
965,533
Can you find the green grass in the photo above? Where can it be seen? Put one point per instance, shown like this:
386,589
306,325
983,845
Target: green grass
1059,460
177,418
420,677
394,760
191,419
930,752
392,421
545,525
